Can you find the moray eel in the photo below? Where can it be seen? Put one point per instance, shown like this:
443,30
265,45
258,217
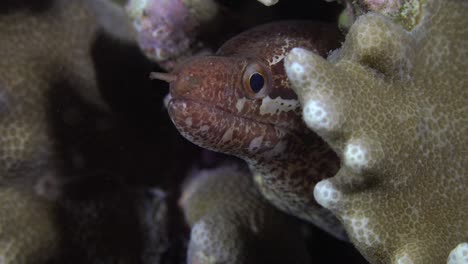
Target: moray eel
239,102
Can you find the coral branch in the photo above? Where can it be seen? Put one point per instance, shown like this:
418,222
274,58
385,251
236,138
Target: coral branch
392,104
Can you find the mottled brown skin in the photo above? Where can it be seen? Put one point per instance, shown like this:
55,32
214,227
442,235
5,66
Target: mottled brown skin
213,107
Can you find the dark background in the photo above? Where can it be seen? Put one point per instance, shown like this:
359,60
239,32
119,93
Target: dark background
134,148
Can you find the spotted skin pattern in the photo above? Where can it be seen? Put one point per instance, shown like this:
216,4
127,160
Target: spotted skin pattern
392,103
213,107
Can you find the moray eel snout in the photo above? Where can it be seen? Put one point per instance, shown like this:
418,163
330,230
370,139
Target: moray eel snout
224,101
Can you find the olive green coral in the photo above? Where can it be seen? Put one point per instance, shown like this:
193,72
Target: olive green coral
20,240
231,223
406,12
393,104
44,47
39,51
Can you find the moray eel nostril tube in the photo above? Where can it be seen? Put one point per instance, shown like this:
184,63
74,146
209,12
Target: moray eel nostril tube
239,102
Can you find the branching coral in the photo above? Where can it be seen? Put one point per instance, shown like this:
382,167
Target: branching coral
232,223
393,104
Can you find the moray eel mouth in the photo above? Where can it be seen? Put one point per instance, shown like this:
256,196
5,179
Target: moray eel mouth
219,129
213,107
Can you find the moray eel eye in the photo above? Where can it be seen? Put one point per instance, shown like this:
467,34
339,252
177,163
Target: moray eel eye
256,80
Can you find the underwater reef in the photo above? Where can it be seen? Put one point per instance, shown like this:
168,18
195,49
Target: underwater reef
218,131
392,102
77,170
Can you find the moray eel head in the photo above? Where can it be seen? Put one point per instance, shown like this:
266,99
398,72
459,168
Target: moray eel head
236,105
239,102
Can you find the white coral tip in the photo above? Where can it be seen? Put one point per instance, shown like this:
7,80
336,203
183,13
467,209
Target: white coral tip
356,156
317,116
326,194
459,255
268,2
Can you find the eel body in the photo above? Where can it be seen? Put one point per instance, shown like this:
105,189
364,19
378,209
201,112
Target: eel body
239,102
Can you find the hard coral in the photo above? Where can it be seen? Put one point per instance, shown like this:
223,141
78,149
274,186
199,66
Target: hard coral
268,2
232,223
406,12
27,230
43,45
393,104
167,30
38,52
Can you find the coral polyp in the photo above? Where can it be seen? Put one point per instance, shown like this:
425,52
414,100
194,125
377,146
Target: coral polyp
392,104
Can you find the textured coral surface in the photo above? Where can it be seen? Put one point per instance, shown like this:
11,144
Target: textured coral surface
61,191
232,223
32,63
393,104
20,241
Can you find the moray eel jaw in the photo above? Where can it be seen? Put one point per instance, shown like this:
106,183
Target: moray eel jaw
231,133
211,107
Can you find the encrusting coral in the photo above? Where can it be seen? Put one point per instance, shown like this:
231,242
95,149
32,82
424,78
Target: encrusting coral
38,53
392,103
20,240
44,46
232,223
